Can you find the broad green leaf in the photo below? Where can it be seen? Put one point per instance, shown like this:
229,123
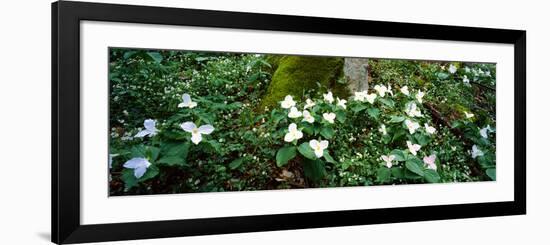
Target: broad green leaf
373,112
215,145
492,173
399,155
236,163
306,151
415,166
314,169
422,139
285,154
138,151
128,178
398,172
431,176
152,171
341,116
383,174
152,153
396,119
156,56
327,132
387,102
172,161
328,157
358,107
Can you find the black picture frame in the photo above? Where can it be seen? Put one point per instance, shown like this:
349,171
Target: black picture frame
66,17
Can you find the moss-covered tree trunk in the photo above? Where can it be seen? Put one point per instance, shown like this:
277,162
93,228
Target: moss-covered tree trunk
294,75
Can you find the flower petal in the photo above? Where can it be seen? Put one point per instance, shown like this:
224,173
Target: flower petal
136,162
324,144
149,124
188,126
313,143
206,129
196,138
140,171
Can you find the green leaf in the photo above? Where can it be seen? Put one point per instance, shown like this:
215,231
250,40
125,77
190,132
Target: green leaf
387,102
215,145
314,169
306,151
138,151
327,132
236,163
383,174
422,139
358,107
492,173
172,161
152,171
129,54
415,166
128,178
152,153
431,176
328,157
285,154
396,119
156,56
373,112
398,172
341,116
399,155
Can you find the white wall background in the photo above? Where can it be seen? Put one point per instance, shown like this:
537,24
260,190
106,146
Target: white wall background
25,121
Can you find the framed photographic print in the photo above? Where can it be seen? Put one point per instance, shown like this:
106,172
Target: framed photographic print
176,122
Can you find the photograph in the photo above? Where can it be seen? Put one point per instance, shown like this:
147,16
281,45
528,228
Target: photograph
196,121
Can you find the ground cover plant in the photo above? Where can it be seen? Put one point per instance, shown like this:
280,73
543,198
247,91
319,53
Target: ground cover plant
184,121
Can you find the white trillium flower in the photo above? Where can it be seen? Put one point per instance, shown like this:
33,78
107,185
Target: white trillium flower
483,131
429,129
419,96
381,89
341,102
452,69
389,90
468,115
196,133
360,96
412,110
187,102
293,133
412,126
309,103
294,112
139,165
465,80
382,129
388,160
150,129
476,152
405,90
430,162
328,97
370,98
308,117
413,148
288,102
329,117
318,147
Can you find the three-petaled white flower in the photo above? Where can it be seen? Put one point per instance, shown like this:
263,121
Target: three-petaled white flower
196,133
419,96
430,162
360,96
308,117
288,102
468,115
294,112
328,97
382,129
293,133
318,147
429,129
139,165
452,69
413,148
483,131
150,129
341,102
412,110
405,90
412,126
187,102
370,98
381,89
476,152
465,80
329,117
388,160
309,103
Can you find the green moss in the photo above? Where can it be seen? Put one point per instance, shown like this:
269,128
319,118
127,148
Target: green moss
296,74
